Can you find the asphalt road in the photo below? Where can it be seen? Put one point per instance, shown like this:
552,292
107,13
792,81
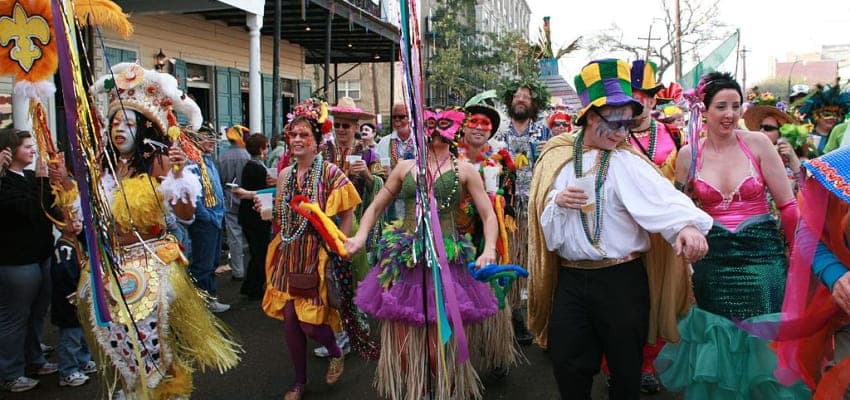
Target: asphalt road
265,371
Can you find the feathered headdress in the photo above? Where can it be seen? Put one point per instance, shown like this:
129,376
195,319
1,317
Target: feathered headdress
151,93
315,110
828,101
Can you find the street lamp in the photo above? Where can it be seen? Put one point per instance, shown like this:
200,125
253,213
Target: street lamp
791,70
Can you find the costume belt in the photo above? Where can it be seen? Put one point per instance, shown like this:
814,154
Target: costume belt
598,264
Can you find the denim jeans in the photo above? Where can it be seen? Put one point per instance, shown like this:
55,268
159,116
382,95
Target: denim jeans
237,243
24,297
206,246
72,351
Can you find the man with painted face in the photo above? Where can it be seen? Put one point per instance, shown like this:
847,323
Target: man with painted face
524,139
594,200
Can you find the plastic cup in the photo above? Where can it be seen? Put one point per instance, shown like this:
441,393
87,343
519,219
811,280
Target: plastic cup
353,159
588,185
491,179
385,161
266,205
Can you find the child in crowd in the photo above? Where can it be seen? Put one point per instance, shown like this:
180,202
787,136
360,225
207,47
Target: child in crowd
75,360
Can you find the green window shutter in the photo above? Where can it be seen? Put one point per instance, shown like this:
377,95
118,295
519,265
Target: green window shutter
222,98
235,94
181,73
128,56
305,89
268,97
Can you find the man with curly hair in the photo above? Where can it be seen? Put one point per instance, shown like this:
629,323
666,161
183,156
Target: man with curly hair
524,137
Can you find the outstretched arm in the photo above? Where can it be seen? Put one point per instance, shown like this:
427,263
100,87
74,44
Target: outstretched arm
384,197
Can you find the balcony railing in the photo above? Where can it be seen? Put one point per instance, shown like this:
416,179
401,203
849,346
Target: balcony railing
368,6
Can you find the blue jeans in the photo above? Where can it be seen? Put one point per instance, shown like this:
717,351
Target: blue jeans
24,297
72,351
206,247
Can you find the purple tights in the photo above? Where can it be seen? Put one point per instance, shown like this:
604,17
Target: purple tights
296,340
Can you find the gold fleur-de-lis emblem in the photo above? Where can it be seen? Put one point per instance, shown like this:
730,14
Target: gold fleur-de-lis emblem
24,30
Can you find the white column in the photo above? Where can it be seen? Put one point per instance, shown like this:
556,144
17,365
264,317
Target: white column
255,95
21,111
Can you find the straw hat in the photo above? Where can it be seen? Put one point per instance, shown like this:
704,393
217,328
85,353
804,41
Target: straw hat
347,109
755,114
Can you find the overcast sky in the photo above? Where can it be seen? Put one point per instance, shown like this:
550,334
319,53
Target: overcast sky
769,29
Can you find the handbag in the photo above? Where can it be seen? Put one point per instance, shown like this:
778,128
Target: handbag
334,295
305,285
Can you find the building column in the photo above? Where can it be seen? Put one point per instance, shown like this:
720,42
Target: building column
255,95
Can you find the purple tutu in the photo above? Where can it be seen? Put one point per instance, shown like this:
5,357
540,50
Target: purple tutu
401,301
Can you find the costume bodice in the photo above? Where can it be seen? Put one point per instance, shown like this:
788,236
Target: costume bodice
140,194
730,209
447,192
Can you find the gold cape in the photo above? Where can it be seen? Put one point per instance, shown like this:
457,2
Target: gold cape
669,282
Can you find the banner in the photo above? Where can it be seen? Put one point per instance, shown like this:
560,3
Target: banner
711,62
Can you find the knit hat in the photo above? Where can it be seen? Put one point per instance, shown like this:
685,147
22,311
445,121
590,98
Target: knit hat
605,83
831,171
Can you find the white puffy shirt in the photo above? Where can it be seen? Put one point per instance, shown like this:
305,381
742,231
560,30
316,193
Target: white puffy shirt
636,200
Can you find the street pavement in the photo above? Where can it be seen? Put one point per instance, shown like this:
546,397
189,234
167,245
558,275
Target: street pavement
265,370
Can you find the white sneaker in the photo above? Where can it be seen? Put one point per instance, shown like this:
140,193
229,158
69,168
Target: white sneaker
341,340
217,307
21,384
88,368
74,380
47,369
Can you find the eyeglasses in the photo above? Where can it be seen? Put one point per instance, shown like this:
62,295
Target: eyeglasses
616,124
342,125
562,124
399,117
768,128
522,96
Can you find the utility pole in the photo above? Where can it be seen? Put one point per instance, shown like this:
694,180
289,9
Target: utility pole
744,69
677,51
649,40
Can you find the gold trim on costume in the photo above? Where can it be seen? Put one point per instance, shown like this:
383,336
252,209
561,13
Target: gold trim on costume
598,264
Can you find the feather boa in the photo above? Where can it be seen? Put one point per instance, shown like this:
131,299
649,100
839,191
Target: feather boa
187,188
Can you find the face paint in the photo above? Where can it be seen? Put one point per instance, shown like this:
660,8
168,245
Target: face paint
479,121
123,131
449,122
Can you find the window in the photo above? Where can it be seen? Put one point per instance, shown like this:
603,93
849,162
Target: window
350,89
115,55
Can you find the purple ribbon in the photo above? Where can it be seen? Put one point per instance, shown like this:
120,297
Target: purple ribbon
69,95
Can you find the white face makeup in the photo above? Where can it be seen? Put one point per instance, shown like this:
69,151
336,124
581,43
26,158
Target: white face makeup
123,131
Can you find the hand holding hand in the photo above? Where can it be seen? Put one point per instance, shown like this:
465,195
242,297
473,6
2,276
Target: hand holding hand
354,244
841,292
571,197
691,244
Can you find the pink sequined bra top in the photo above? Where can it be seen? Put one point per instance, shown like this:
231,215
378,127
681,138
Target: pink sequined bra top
749,198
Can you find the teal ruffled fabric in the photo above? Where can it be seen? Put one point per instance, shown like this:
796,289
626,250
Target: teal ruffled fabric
716,360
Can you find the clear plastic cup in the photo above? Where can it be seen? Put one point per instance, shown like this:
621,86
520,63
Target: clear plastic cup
266,205
588,185
491,179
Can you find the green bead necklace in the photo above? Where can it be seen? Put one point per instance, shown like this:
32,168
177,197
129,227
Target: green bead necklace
602,163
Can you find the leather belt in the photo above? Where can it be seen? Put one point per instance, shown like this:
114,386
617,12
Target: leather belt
597,264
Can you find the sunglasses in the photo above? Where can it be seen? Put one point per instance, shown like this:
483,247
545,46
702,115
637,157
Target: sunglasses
302,135
342,125
562,124
618,123
768,128
399,117
483,123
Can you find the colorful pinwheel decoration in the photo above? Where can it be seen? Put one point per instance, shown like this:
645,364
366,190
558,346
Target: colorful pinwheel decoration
500,277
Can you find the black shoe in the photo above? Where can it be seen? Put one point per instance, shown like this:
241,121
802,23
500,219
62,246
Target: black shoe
521,333
500,372
649,383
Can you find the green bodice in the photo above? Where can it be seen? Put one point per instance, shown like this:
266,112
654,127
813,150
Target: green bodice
448,192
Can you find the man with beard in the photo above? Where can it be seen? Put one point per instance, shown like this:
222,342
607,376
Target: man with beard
524,138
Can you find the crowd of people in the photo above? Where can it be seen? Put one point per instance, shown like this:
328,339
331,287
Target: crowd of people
662,255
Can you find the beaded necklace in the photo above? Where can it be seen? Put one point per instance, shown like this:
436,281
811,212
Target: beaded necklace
436,175
653,140
601,167
288,230
396,152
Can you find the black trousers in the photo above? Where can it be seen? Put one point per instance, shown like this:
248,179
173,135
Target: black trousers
258,238
596,312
